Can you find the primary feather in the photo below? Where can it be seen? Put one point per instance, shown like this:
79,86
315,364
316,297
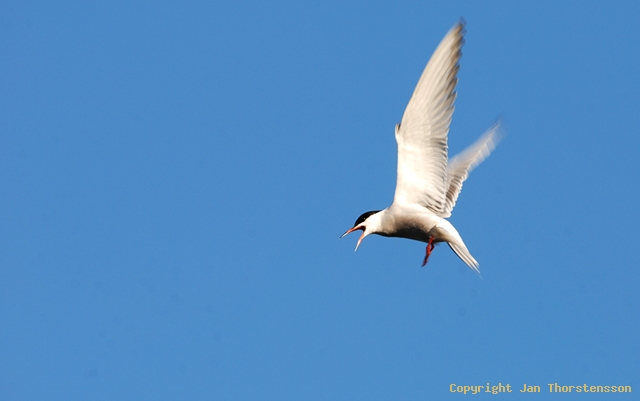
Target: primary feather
422,134
461,165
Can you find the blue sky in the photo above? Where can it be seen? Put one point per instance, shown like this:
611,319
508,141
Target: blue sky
174,178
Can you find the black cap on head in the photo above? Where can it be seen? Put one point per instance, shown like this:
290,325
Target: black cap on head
365,216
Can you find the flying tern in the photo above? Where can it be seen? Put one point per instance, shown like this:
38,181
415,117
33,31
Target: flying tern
428,183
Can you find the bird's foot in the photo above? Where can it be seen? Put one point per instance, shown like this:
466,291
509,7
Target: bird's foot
430,247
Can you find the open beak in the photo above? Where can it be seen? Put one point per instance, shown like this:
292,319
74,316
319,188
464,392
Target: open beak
356,228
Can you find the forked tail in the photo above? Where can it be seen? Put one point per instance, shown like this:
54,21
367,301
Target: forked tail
464,254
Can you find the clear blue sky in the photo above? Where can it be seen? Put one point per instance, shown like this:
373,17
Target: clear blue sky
174,178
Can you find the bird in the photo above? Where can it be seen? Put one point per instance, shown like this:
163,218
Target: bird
428,182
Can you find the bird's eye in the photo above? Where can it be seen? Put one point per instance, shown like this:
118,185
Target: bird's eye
365,216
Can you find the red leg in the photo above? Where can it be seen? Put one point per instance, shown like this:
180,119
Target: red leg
430,247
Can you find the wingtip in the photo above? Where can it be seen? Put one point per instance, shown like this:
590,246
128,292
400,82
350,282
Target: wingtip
495,133
461,29
499,126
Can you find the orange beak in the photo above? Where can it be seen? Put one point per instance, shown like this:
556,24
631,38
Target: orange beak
356,228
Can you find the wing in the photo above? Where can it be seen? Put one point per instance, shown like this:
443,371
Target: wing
422,134
461,165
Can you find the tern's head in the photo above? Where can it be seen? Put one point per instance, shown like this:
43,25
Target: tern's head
368,222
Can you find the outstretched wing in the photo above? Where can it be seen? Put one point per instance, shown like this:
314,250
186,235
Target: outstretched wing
461,165
422,134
